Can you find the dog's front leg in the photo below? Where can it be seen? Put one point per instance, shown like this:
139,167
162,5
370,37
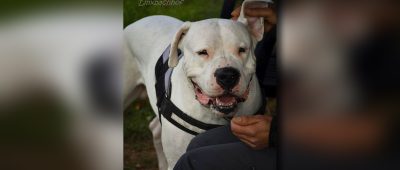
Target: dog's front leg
155,128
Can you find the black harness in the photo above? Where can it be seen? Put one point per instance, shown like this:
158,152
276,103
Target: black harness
166,107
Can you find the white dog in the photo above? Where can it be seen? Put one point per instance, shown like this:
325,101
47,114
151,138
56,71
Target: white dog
214,79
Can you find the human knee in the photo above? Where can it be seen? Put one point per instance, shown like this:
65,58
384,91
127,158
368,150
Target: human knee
196,142
184,162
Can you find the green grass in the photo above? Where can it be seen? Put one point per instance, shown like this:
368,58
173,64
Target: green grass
136,120
138,147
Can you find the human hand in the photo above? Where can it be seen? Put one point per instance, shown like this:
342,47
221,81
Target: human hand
252,130
268,13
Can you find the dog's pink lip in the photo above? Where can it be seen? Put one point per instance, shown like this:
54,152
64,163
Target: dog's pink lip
225,100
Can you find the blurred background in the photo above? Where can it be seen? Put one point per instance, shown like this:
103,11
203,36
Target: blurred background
340,84
59,85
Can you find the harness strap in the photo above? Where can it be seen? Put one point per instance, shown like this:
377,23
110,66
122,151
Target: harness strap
160,69
167,112
170,108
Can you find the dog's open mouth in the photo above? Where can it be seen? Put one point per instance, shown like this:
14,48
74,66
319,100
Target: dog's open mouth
225,103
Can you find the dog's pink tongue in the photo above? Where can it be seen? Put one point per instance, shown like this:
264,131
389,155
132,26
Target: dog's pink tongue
226,100
203,99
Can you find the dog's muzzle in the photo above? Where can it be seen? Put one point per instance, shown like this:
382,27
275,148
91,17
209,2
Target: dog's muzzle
225,103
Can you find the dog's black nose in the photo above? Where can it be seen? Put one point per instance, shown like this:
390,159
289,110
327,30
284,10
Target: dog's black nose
227,77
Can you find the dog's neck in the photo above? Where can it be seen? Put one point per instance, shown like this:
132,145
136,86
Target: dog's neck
183,96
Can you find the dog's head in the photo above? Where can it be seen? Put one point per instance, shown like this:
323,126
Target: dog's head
218,59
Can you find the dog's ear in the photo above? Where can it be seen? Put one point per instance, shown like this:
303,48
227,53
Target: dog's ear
255,24
173,53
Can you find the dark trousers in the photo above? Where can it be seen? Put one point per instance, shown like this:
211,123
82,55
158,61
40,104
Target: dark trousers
220,149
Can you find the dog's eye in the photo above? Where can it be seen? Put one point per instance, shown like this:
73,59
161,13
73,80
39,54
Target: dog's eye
202,52
242,50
